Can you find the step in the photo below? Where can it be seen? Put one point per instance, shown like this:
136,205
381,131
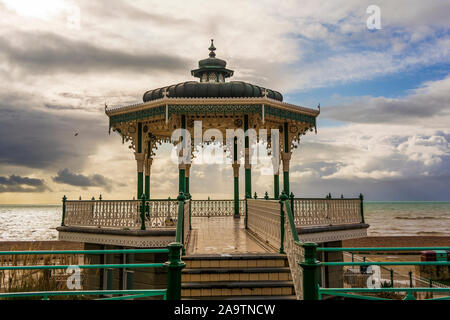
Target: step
236,274
241,288
256,260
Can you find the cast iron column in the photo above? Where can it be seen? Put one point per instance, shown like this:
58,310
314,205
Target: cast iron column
247,165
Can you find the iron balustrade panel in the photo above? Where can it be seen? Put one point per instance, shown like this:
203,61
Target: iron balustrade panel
215,208
316,212
186,231
295,254
102,213
264,220
161,213
121,214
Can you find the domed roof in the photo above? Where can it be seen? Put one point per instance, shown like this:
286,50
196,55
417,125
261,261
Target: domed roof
194,89
212,73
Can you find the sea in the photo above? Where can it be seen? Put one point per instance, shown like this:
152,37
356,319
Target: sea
39,222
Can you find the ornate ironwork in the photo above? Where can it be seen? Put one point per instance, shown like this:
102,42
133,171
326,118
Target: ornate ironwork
309,212
161,213
186,230
123,214
215,208
295,254
264,220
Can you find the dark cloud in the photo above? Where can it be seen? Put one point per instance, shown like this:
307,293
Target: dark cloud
63,107
49,53
65,176
117,9
35,138
15,183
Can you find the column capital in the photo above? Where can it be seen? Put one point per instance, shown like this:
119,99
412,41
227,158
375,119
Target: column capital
139,156
236,166
140,161
286,155
187,169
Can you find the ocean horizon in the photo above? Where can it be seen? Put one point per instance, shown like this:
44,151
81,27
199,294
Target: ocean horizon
31,222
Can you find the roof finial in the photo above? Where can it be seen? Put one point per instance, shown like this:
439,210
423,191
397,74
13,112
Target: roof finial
212,49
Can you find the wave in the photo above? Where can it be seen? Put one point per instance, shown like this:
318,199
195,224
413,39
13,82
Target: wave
427,233
420,218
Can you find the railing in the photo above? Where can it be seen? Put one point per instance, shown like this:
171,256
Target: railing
215,208
183,221
263,219
186,224
292,246
174,266
309,212
122,214
313,291
139,214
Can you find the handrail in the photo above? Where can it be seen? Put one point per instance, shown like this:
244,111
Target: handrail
291,244
174,265
382,249
130,294
291,219
313,291
180,220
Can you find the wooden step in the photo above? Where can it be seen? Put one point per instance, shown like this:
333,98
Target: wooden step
241,288
235,261
236,274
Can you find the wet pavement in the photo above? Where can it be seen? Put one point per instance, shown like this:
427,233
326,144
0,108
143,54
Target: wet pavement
221,235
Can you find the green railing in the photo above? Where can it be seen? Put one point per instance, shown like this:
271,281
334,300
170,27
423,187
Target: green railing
173,265
311,266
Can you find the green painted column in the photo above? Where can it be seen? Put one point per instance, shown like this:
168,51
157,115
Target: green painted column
276,186
181,179
187,177
140,184
310,272
286,157
140,162
248,182
236,180
182,166
64,199
174,267
286,181
148,167
147,186
248,168
236,189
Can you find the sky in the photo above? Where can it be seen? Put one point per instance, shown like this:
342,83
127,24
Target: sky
384,127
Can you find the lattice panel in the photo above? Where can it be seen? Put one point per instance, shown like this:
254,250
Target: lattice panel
161,213
113,214
187,232
295,254
121,214
215,208
264,220
309,212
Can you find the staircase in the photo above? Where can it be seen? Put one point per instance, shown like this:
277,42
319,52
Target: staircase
237,276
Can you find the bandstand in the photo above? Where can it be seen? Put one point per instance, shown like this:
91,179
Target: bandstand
245,246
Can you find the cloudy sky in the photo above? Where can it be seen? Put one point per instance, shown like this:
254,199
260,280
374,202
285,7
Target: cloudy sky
384,129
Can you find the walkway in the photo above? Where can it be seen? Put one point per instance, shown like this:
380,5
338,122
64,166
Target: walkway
221,235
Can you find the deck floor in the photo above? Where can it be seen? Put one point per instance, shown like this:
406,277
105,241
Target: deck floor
221,235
